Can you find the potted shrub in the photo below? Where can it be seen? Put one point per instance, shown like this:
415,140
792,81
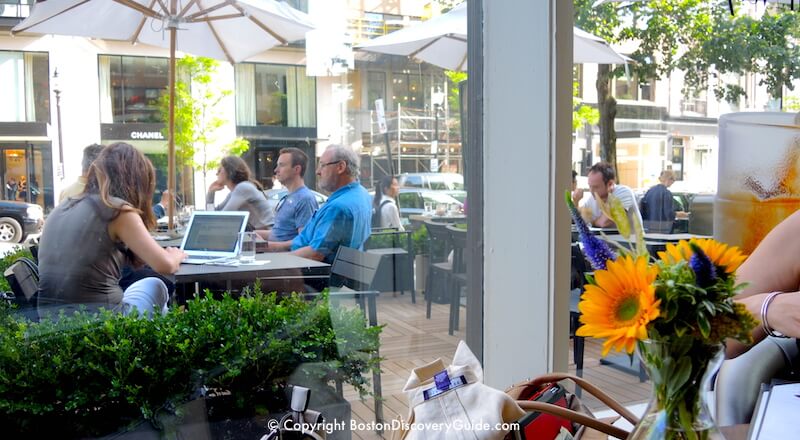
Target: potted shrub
87,374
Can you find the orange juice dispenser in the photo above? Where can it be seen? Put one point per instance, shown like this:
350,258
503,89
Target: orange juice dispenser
758,181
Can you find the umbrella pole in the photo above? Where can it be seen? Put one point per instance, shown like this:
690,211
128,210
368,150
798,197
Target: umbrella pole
171,127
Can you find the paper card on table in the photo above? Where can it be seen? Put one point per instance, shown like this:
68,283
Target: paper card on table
781,408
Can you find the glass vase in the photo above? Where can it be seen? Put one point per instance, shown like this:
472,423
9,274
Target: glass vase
681,371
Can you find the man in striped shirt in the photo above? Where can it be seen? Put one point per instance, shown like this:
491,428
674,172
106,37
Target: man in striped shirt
602,182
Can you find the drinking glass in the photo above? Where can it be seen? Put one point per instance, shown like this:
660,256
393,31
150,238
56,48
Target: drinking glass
247,247
428,208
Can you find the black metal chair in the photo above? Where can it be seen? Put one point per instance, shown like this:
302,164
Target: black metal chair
439,268
352,277
579,267
458,274
23,278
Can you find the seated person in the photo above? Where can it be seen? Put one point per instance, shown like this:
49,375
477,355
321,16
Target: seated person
295,209
773,267
658,210
160,208
385,213
601,179
90,153
88,239
344,220
245,195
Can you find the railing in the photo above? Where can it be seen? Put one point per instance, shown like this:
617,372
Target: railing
411,134
15,8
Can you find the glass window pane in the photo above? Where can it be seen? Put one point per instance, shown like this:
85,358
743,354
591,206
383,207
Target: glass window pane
136,83
271,103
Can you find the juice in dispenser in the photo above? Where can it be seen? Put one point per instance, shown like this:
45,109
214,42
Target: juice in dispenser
758,179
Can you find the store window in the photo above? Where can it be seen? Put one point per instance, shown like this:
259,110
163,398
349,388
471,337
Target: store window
25,87
130,88
275,95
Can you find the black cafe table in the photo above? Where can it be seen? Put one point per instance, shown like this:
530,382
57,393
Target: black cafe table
275,266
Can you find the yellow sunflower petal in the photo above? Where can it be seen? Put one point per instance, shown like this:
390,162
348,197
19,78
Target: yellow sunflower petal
620,304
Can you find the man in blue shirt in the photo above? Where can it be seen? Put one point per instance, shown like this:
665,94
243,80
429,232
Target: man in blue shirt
296,208
344,220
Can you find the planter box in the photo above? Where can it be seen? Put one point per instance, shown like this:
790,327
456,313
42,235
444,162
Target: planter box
325,399
192,423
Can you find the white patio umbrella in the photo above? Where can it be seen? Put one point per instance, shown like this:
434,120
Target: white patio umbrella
231,30
442,41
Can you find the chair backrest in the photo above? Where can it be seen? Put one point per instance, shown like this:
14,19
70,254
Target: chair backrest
23,278
354,269
439,245
579,267
389,238
458,239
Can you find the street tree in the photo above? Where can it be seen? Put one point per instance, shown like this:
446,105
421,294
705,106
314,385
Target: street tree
198,117
702,39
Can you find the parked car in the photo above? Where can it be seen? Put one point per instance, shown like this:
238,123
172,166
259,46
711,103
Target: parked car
412,200
274,197
450,183
18,220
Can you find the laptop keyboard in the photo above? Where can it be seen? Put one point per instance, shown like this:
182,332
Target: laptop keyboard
202,259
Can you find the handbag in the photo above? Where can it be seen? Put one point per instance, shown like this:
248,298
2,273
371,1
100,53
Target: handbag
300,423
553,409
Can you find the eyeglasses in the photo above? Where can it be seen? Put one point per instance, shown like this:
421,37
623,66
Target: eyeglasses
323,164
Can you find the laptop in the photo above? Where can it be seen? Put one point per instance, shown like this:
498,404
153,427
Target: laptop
213,236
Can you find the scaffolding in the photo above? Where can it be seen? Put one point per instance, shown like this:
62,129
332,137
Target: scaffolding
411,135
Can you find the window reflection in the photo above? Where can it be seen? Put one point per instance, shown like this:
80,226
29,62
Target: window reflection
25,94
130,88
275,95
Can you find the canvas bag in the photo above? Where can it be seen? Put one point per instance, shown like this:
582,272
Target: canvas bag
461,412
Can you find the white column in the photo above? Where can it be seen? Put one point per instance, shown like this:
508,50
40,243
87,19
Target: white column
527,124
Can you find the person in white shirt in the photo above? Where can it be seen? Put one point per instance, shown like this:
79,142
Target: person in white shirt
384,205
602,182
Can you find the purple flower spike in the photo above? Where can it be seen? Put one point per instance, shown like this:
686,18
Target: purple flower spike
704,271
596,250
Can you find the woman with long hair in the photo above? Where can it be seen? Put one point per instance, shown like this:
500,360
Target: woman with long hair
384,204
89,238
245,192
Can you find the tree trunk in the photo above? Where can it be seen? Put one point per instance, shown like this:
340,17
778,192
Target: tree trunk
607,106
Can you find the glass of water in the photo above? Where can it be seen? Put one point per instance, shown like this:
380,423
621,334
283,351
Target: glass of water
247,247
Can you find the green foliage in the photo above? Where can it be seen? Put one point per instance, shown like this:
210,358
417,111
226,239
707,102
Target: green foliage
453,94
582,114
90,374
9,259
419,239
197,116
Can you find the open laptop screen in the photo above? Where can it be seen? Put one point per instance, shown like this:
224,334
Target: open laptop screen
213,233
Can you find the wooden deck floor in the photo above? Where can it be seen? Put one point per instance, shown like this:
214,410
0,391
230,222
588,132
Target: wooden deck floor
410,340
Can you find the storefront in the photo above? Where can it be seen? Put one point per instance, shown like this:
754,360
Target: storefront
266,143
149,139
26,163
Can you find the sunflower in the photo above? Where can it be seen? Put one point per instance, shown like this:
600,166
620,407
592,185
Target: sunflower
620,303
723,256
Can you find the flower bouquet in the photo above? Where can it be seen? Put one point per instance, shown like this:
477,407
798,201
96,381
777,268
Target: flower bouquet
677,310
